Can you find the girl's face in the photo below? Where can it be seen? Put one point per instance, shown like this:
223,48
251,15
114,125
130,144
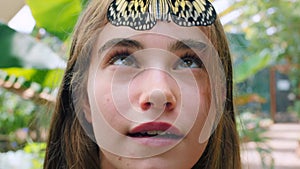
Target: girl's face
150,96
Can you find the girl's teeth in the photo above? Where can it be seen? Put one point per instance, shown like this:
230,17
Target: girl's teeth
160,132
151,132
154,132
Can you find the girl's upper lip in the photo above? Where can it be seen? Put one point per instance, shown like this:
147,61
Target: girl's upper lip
156,126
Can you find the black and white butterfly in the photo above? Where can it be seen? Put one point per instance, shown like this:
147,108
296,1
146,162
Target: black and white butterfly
143,14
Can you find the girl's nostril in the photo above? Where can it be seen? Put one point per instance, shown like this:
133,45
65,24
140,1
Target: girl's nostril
146,106
168,104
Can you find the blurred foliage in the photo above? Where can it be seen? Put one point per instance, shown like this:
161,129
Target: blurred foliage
272,29
248,98
264,34
21,50
45,78
57,17
253,94
296,108
269,25
31,157
21,121
38,151
33,63
25,60
246,64
15,113
251,128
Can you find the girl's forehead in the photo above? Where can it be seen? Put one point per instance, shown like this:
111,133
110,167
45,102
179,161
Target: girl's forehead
163,30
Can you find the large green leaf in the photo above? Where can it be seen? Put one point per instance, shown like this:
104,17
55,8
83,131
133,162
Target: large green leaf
56,16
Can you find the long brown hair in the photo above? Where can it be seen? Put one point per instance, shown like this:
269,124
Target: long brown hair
70,146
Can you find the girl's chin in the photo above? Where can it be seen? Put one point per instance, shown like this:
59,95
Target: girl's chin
174,158
156,162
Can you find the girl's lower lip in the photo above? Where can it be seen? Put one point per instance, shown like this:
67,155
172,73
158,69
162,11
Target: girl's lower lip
155,141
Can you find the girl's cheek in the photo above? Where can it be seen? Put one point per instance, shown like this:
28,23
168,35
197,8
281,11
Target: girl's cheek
106,104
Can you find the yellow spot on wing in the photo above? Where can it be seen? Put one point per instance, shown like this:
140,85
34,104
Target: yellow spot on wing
124,6
196,6
203,2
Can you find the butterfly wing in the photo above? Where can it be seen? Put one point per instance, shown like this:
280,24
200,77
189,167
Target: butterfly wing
132,13
192,12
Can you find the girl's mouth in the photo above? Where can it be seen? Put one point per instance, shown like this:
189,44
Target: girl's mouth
155,134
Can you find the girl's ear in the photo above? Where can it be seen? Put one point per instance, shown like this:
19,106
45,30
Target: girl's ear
87,110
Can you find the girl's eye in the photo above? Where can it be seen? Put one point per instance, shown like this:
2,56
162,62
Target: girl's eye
123,59
189,61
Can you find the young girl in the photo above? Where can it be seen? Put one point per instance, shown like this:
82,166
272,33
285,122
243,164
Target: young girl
146,89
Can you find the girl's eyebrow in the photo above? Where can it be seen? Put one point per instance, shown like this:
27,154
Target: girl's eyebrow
187,44
121,42
177,45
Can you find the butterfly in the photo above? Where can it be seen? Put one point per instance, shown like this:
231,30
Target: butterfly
143,14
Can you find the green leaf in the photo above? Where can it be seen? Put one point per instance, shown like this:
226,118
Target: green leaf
251,66
57,17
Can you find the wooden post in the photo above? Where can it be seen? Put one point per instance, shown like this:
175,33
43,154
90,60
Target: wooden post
273,92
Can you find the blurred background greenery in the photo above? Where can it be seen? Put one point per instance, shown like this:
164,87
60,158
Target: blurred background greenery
264,39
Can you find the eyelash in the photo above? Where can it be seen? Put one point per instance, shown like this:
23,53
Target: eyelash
122,55
189,57
126,55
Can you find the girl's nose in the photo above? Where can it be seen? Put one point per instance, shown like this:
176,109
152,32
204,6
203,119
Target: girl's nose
156,90
157,98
